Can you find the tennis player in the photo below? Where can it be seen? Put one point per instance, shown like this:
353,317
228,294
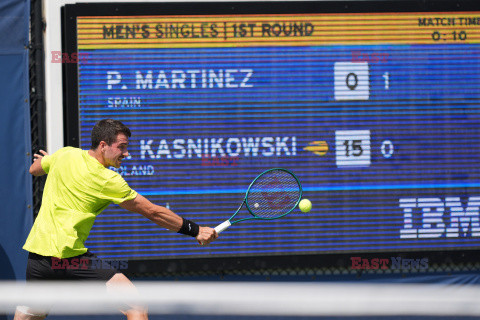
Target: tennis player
80,186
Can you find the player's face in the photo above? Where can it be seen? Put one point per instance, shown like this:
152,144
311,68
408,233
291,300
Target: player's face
115,153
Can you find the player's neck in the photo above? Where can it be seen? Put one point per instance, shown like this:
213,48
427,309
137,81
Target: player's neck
97,155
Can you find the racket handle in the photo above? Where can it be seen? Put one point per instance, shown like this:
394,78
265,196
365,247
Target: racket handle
222,226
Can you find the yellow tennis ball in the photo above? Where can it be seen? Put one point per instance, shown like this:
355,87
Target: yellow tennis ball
305,205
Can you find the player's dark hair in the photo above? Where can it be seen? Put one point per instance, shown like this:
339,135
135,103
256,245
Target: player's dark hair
107,130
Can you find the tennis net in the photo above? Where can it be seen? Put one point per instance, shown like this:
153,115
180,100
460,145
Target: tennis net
235,300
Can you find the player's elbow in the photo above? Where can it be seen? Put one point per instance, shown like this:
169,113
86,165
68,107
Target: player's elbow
32,171
36,170
36,174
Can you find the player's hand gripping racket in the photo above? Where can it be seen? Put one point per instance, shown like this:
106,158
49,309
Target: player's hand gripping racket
272,195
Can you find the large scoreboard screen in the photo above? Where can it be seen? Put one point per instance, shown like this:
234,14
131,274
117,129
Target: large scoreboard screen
374,105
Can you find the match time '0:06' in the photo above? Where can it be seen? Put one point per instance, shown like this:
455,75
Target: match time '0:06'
460,35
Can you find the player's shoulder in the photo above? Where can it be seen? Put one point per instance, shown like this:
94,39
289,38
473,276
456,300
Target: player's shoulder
68,149
111,175
59,158
62,153
114,179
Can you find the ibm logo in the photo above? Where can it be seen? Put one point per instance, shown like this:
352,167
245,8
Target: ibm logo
434,218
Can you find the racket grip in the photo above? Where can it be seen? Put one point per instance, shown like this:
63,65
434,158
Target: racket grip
222,226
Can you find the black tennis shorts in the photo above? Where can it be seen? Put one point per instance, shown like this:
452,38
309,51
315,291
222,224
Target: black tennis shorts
84,267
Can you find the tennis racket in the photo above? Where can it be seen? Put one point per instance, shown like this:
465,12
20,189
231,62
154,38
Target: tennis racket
272,195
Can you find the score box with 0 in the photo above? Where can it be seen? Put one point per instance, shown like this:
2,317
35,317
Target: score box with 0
352,81
353,148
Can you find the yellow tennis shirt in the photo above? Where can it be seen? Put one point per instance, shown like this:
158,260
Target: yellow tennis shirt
77,189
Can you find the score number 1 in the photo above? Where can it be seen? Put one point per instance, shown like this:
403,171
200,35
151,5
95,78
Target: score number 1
386,76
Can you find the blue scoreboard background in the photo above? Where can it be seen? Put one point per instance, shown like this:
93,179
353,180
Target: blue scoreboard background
376,113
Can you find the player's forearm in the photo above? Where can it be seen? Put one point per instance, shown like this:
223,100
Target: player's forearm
162,216
165,218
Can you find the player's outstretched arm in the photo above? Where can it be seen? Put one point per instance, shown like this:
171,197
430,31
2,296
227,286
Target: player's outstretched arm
36,167
167,218
160,215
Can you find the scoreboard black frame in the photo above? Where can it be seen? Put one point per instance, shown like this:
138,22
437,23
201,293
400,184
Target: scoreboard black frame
453,191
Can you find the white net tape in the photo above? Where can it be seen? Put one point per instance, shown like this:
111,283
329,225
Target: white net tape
256,298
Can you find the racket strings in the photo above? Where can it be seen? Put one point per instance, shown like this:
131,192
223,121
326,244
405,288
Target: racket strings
273,194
